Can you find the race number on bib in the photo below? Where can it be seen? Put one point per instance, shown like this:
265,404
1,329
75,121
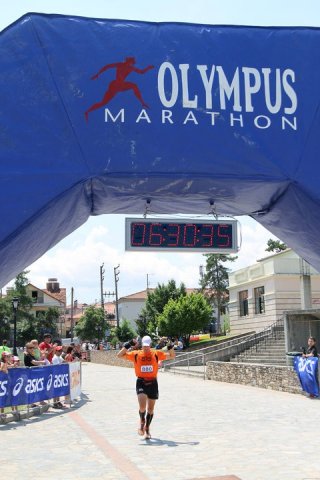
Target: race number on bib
146,368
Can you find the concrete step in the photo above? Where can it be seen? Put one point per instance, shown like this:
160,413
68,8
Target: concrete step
268,349
280,353
261,356
261,361
185,371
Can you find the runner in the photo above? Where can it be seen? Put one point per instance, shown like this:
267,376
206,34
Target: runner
120,84
146,368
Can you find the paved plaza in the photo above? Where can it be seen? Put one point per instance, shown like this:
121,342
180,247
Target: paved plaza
201,430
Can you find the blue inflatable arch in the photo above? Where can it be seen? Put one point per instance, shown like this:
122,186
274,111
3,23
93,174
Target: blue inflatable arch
97,116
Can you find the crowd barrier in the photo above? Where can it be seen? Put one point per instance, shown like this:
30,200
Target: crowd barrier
27,386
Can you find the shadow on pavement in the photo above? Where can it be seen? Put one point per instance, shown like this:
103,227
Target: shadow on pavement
153,442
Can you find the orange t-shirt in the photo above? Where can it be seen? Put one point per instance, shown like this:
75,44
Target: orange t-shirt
146,363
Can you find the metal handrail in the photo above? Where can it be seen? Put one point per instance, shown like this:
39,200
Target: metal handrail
241,347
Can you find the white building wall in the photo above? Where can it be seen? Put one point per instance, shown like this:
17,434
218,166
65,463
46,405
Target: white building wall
280,277
130,310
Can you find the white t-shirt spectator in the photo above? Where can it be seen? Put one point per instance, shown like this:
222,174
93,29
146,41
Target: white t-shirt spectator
57,360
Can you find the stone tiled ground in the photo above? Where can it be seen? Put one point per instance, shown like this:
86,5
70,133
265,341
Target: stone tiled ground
201,430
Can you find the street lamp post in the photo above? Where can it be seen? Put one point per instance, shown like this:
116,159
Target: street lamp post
15,304
116,280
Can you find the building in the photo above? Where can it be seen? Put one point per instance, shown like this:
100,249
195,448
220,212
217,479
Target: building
51,297
260,293
73,316
130,306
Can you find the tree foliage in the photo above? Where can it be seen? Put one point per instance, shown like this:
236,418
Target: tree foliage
142,325
5,316
214,283
275,246
47,322
26,322
124,332
156,301
92,325
185,315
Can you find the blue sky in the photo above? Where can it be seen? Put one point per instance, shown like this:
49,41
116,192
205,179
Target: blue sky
76,260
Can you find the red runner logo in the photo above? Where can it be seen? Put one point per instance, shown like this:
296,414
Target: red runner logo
120,84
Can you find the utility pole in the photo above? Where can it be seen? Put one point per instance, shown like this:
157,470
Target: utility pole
71,316
102,299
116,280
148,280
201,271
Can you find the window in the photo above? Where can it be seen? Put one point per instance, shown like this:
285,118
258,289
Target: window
259,306
243,303
34,295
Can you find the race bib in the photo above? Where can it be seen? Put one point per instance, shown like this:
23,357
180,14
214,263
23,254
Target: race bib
146,368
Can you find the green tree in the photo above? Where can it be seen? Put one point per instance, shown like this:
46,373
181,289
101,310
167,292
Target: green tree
184,316
92,325
47,322
124,332
157,300
275,246
214,283
5,316
26,322
142,325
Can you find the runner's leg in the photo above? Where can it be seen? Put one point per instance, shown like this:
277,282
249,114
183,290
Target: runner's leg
142,399
150,409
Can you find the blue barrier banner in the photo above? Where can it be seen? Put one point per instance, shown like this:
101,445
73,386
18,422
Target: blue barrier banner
23,386
307,370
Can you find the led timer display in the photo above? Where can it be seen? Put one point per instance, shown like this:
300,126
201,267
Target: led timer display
176,234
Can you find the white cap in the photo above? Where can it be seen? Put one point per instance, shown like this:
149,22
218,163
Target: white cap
146,341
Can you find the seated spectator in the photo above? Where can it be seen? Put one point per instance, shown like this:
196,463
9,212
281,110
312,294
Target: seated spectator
161,343
178,345
29,358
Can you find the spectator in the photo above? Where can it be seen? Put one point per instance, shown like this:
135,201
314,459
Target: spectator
29,358
4,362
57,360
16,361
36,351
312,349
161,343
178,345
3,369
4,347
76,352
69,355
43,356
48,346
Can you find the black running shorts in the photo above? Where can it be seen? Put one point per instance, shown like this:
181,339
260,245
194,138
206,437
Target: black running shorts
148,387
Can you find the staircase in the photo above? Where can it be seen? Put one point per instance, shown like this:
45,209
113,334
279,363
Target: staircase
265,348
269,350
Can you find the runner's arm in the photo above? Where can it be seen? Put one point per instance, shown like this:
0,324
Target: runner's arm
126,347
143,70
